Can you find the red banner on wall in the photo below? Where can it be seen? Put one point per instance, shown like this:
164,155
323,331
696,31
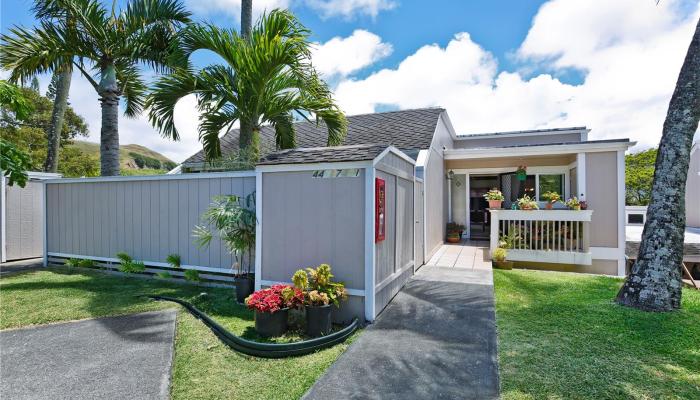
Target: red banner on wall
379,210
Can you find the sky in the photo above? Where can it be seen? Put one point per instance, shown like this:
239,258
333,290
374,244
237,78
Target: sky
493,65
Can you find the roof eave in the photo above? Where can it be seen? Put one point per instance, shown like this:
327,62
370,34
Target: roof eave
554,149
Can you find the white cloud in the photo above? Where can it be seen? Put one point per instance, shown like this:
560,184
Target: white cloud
349,8
630,51
233,7
343,56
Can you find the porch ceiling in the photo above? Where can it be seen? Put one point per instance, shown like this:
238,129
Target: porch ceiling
512,162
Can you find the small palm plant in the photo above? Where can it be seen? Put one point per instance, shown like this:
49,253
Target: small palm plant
266,78
232,219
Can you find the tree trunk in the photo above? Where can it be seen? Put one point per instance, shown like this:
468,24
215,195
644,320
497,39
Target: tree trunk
60,102
109,135
246,18
656,280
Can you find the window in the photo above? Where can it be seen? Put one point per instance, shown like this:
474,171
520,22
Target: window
551,183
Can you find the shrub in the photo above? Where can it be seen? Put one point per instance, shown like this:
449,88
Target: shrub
192,275
275,298
124,257
86,263
499,254
72,262
133,267
174,260
319,286
164,275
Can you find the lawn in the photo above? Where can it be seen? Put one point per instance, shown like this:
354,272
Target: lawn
203,366
562,336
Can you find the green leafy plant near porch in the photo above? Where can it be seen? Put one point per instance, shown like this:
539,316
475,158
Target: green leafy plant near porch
174,260
192,275
319,287
527,203
129,265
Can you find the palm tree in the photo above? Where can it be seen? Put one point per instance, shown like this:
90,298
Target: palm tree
114,44
265,79
656,280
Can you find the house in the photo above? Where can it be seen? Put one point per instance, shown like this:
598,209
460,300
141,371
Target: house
375,208
458,169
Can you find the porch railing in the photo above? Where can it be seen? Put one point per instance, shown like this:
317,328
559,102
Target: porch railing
549,236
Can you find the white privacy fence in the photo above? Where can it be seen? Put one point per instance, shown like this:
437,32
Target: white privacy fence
551,236
147,217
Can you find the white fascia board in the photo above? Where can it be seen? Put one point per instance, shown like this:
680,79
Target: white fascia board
448,123
175,171
208,175
422,158
498,152
313,166
370,246
258,228
35,175
397,152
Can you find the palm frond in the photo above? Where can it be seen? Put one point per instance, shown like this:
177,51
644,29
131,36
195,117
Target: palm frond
165,94
285,137
132,87
29,52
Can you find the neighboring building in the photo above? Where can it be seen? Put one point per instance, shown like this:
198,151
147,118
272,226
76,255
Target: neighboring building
692,189
458,169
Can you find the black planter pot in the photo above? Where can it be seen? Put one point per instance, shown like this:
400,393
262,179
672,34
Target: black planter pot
244,287
318,320
271,324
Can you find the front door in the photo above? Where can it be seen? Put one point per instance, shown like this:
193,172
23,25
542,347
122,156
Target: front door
479,217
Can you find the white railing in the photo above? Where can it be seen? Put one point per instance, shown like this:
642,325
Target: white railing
548,236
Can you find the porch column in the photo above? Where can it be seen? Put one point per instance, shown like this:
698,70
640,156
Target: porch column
581,176
493,238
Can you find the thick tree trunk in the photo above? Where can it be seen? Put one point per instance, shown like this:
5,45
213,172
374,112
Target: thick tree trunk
246,140
60,102
109,135
655,281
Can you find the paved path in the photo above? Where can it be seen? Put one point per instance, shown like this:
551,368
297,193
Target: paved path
126,357
435,340
30,264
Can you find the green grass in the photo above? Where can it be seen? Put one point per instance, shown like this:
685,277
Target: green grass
203,368
561,336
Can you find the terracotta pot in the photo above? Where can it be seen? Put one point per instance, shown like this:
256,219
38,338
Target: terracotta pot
549,206
495,203
577,208
453,239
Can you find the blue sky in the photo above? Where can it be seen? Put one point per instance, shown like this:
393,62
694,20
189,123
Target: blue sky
494,65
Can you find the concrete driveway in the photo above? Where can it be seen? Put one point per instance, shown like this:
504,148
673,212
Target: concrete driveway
435,340
127,357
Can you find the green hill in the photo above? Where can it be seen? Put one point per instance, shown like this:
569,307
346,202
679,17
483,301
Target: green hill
134,159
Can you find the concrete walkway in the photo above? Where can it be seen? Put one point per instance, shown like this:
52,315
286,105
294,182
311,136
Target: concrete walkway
126,357
29,264
435,340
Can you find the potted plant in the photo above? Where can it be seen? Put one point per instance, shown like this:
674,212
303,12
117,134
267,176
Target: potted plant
233,219
521,172
320,292
454,232
494,197
498,258
271,308
551,197
527,203
574,204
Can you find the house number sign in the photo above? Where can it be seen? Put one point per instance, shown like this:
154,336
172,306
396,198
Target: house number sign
379,210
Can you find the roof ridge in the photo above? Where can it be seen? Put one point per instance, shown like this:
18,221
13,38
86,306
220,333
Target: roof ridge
398,111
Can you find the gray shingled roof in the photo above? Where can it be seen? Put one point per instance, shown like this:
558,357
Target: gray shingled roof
362,152
552,130
408,130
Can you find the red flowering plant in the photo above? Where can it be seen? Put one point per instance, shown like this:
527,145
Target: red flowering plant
275,298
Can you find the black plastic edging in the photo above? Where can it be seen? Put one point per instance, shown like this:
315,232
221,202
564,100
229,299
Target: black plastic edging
266,350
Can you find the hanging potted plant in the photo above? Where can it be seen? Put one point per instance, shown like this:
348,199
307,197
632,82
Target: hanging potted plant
498,258
271,308
320,292
573,204
495,198
233,219
527,203
552,198
521,172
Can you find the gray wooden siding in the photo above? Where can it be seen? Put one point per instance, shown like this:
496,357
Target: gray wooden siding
23,221
420,223
601,197
308,221
148,219
435,202
393,162
394,262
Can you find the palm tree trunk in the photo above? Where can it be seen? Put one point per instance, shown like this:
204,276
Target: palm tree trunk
60,103
109,134
655,281
246,18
